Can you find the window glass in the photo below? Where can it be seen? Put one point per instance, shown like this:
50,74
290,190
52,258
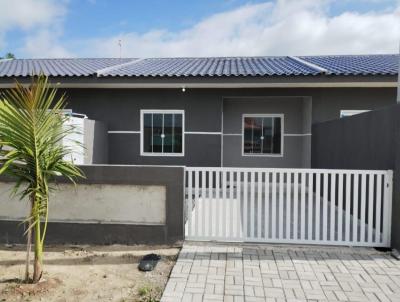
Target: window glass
157,133
147,133
262,135
169,133
162,133
178,132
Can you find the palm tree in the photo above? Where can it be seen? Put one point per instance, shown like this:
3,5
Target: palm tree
32,129
8,55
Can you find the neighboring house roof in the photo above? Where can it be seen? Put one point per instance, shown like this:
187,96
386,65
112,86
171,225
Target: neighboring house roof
204,67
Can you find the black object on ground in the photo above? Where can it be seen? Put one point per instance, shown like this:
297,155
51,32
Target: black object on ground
149,262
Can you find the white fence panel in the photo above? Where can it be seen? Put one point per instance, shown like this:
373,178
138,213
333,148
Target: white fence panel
311,206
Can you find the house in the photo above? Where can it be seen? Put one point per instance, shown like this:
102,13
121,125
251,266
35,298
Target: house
224,111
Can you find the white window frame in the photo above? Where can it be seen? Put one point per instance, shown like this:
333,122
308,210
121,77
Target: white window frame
158,111
273,115
350,112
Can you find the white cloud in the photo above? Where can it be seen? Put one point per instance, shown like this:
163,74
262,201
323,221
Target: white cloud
285,27
28,13
45,43
40,21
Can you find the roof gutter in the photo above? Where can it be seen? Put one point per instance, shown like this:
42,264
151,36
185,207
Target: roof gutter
387,84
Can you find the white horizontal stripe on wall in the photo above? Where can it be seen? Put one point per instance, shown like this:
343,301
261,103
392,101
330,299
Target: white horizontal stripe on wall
297,134
285,134
199,132
124,132
208,133
187,132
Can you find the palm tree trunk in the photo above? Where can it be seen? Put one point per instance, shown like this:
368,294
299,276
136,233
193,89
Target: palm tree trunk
29,243
28,252
37,267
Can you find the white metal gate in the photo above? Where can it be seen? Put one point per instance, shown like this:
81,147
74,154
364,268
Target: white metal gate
312,206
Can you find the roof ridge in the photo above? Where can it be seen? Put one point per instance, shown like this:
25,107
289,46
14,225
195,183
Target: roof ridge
100,72
349,55
311,65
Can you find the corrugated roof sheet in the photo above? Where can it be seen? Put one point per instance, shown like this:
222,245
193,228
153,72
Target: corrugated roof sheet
56,67
204,67
237,66
357,65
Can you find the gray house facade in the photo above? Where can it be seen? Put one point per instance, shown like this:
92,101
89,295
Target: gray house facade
231,112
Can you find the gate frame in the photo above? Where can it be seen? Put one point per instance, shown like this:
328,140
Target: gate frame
385,202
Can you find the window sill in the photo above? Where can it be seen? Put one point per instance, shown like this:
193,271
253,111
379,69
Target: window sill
163,154
262,155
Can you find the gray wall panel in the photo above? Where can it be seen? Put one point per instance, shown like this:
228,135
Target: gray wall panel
328,102
173,230
295,122
200,150
234,108
120,108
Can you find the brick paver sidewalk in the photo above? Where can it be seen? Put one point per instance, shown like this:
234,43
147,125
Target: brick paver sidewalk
214,272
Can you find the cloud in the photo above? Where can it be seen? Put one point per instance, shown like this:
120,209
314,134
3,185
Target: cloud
29,13
45,43
284,27
41,23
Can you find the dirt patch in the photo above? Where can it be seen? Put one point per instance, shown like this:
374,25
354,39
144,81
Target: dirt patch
87,273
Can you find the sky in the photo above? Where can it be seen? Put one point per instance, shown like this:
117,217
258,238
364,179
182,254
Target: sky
175,28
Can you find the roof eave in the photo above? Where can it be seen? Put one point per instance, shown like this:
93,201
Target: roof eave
311,81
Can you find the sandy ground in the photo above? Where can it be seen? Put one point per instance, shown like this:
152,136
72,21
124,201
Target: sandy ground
87,273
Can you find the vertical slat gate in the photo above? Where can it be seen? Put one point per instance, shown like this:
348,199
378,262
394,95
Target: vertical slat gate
310,205
338,207
288,204
281,200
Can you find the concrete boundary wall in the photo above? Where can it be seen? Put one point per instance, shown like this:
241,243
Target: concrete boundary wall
139,204
368,141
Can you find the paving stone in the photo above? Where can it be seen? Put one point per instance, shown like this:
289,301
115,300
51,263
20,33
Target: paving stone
239,273
272,292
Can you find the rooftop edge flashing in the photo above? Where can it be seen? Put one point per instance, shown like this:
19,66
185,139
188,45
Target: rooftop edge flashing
103,71
311,65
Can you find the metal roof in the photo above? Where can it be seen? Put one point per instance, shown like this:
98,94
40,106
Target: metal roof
236,66
204,67
56,67
357,65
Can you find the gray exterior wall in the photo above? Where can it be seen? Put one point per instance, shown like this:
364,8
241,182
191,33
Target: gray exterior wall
108,233
369,140
120,109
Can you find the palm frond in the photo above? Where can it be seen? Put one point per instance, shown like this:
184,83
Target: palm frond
32,131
